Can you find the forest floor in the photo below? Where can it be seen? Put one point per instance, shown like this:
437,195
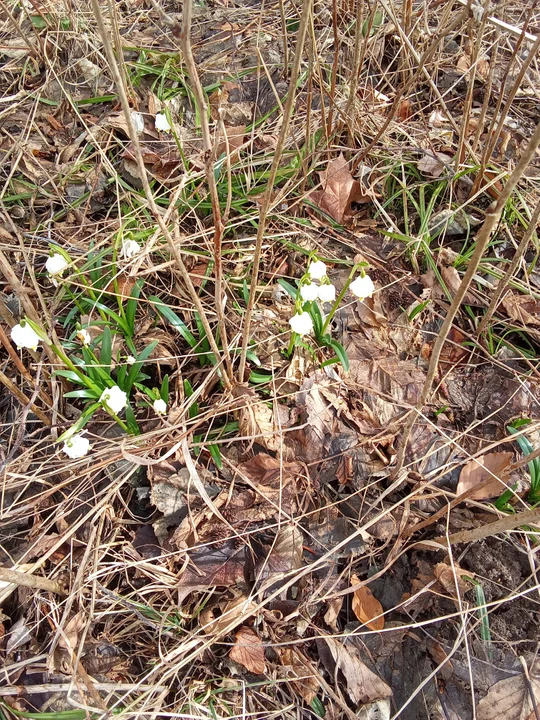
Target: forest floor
269,356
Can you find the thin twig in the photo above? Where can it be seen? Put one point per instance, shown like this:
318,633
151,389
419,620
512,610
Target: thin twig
503,283
269,194
482,240
148,190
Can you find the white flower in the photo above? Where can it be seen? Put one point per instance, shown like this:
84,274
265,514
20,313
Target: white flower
301,323
316,270
113,399
76,446
138,122
84,336
162,123
327,293
309,292
56,264
362,287
131,360
160,406
24,337
130,248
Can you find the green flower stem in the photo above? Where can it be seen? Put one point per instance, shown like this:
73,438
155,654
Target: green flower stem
339,299
71,366
292,344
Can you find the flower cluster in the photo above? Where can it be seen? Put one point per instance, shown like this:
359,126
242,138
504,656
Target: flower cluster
302,322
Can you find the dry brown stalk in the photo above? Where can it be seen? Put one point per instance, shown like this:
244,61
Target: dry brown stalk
494,134
209,159
31,581
503,283
268,195
510,522
147,189
482,239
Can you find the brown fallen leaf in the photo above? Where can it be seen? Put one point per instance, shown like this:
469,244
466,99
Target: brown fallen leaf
522,308
485,468
433,164
363,685
366,607
248,651
340,189
233,141
509,699
298,666
451,578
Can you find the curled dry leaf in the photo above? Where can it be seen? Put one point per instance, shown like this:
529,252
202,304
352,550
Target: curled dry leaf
523,309
451,578
340,189
297,666
481,474
248,651
366,607
362,685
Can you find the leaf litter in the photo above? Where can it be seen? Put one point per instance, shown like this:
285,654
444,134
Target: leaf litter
300,506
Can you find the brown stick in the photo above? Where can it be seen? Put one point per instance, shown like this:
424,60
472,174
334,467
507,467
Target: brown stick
503,284
268,195
482,240
148,190
31,581
503,525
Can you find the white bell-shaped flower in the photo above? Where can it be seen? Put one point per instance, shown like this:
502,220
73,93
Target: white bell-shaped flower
327,293
301,323
25,337
76,446
316,270
56,264
113,399
83,336
160,406
362,287
309,292
130,248
162,123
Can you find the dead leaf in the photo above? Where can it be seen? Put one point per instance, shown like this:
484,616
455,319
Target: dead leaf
70,635
433,164
297,665
366,607
248,651
257,420
485,468
285,555
233,143
332,612
509,699
340,189
451,578
363,685
522,308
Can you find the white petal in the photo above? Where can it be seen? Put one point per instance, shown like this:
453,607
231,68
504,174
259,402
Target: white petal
131,360
362,287
327,293
24,337
162,123
301,323
138,122
160,406
83,336
113,399
76,446
317,270
56,264
130,248
309,292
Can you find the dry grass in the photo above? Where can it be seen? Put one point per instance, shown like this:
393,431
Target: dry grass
270,496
